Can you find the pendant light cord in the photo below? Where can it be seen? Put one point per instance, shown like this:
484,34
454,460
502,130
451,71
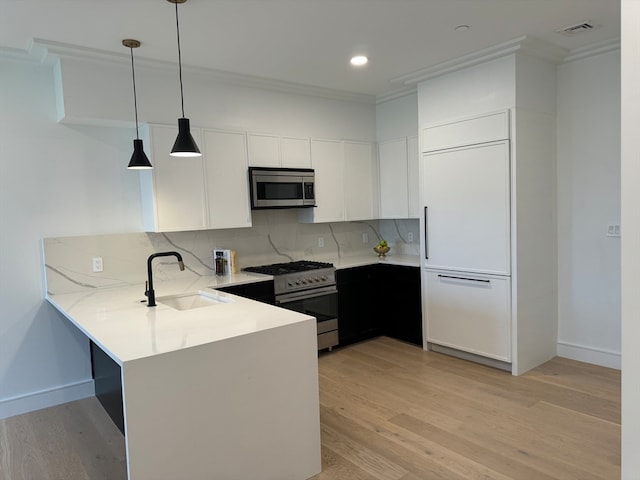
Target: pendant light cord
179,61
135,102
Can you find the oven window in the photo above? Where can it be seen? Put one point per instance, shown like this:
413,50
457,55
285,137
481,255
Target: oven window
324,307
279,190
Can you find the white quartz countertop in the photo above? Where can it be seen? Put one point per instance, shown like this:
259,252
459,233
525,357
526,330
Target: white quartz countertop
118,320
121,324
372,259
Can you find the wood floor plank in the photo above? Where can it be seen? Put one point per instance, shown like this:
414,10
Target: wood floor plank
389,411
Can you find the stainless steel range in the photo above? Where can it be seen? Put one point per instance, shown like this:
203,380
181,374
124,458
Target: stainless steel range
307,287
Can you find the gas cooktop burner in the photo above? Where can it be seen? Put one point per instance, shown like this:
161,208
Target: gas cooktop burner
288,267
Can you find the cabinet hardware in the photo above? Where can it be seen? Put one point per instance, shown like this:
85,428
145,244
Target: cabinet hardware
426,240
482,280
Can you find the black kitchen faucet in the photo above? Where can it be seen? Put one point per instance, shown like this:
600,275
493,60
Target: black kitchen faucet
149,292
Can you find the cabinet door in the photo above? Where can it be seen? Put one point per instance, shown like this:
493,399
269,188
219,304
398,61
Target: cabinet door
401,316
467,208
358,312
174,190
227,179
359,165
394,201
327,161
413,176
295,152
469,313
264,150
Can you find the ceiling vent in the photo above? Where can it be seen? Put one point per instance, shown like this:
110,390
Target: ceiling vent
577,28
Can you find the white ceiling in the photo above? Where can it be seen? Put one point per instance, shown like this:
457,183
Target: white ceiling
307,42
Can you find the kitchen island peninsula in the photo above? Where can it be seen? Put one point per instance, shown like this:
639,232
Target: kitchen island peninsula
227,391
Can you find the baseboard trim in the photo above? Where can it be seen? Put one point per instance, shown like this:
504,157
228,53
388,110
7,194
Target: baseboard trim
46,398
587,354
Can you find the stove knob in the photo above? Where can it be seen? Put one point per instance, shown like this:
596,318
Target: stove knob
304,281
289,284
297,282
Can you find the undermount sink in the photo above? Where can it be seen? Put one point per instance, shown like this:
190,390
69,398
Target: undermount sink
188,301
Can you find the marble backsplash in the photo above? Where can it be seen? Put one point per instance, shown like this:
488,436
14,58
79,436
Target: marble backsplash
276,236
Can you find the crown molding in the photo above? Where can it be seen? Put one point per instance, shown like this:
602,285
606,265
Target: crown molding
49,52
397,93
527,45
591,50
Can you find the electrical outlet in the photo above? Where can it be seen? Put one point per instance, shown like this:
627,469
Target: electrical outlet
321,242
365,238
410,237
96,263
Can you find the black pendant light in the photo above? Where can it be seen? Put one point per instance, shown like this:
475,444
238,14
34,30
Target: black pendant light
185,145
139,160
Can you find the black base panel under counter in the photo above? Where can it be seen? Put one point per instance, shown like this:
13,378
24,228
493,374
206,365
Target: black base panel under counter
107,377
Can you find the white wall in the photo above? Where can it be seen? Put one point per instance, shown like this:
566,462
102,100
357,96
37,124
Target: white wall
630,155
63,179
54,179
588,102
102,90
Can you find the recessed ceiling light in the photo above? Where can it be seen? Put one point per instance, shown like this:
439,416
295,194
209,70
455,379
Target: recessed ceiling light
359,60
462,28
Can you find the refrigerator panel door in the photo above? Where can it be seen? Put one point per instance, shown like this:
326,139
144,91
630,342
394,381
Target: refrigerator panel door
466,192
469,313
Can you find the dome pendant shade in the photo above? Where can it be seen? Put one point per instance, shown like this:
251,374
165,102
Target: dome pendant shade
185,145
139,160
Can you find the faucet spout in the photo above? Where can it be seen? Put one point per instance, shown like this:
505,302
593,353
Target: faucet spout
150,292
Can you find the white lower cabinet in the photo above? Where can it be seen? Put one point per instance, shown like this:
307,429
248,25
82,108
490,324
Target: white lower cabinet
469,312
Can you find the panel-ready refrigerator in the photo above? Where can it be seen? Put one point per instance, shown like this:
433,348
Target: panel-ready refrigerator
466,241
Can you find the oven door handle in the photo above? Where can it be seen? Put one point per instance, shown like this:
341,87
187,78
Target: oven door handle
316,292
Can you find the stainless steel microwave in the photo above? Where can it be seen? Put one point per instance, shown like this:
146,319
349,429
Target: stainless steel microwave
281,187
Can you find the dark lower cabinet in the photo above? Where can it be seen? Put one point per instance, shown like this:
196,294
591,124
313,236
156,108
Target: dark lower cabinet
379,299
357,304
260,291
402,307
107,378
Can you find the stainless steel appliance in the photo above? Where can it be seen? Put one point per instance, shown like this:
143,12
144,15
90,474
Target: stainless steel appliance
281,187
307,287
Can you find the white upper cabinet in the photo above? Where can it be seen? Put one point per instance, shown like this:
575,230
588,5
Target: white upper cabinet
195,193
277,151
399,178
174,191
345,179
359,174
327,158
413,177
484,128
227,180
394,198
295,152
264,150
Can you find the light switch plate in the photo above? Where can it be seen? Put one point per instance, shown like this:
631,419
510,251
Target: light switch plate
613,230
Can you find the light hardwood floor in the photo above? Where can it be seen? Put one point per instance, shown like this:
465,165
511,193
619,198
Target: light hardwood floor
389,411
